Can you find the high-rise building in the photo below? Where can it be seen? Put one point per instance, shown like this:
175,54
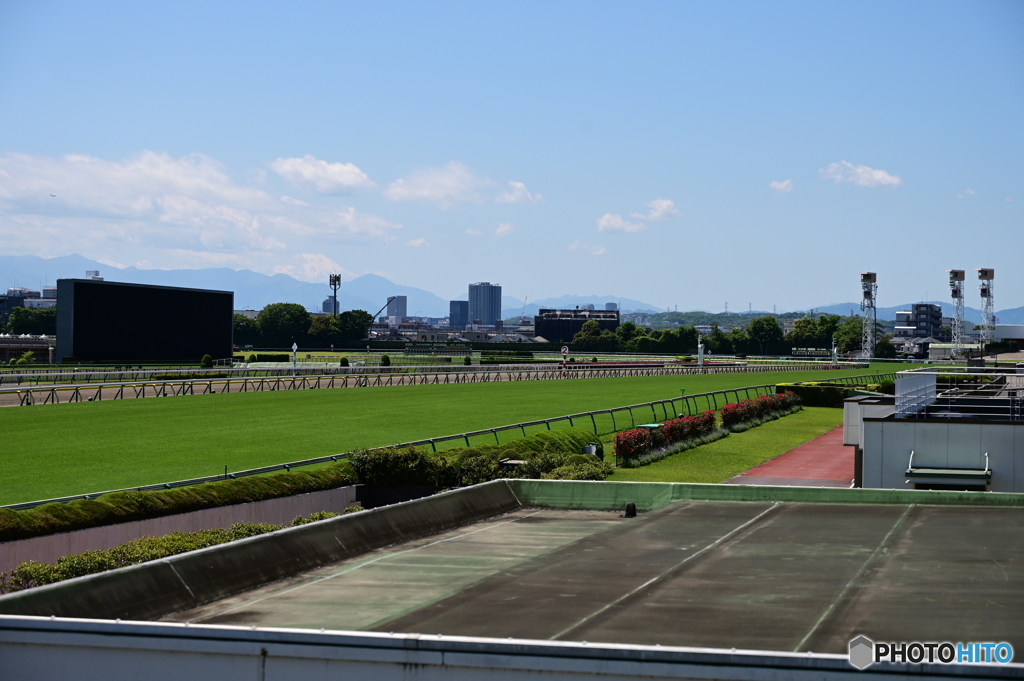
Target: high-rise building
458,314
398,307
611,306
484,303
923,320
328,306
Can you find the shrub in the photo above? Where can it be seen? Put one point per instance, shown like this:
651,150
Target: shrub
31,573
251,358
816,394
385,360
119,507
207,362
887,386
343,362
401,467
580,470
467,360
630,444
760,409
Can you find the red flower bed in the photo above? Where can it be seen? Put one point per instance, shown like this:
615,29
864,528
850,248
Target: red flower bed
630,444
762,407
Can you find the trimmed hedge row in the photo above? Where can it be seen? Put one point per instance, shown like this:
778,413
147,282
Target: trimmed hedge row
31,573
554,454
120,507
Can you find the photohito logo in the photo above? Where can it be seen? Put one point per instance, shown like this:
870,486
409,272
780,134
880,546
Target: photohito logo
864,652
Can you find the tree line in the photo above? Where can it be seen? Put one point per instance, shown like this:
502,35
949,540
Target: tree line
42,322
280,324
762,336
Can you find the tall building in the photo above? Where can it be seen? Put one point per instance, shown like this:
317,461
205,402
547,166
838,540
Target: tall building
484,303
398,307
923,320
458,314
611,306
328,305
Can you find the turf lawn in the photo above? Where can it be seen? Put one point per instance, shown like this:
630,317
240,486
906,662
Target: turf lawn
56,450
739,452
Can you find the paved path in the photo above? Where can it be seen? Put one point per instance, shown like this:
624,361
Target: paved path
822,462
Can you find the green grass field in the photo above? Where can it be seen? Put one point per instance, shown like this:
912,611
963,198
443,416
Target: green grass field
726,458
56,450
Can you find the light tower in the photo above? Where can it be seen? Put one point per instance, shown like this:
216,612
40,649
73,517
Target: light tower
335,285
988,315
956,291
869,285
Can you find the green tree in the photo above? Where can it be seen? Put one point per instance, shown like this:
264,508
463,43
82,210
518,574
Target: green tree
849,334
246,332
884,349
33,322
282,324
718,342
739,341
627,332
765,331
353,325
804,334
828,324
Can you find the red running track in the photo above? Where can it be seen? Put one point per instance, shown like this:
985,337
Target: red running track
822,462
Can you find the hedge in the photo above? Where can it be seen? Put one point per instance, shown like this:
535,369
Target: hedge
814,394
120,507
541,453
640,442
31,573
758,409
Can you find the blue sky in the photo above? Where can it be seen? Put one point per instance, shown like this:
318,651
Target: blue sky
685,154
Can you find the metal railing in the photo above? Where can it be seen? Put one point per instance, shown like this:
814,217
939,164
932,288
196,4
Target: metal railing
89,392
688,405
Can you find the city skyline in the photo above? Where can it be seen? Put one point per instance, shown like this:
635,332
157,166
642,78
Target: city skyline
674,153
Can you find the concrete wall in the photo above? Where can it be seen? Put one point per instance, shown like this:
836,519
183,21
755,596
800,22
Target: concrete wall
276,511
942,444
151,590
44,649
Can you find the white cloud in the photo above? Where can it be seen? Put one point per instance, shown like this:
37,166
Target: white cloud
175,212
504,229
473,232
312,267
660,209
862,176
417,243
320,177
966,192
445,186
1008,199
615,222
783,187
518,193
576,246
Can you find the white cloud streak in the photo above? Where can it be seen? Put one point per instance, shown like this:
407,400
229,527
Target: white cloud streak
783,187
320,177
417,243
862,176
967,192
613,222
504,229
578,247
177,212
658,209
445,186
518,193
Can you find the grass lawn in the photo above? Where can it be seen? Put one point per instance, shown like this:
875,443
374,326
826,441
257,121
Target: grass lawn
56,450
730,456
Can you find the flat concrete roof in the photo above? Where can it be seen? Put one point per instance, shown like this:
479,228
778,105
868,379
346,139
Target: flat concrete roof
746,575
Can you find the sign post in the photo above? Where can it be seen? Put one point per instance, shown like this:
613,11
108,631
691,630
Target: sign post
565,357
295,347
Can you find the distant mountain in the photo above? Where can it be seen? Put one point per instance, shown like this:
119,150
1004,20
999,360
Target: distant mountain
513,307
252,290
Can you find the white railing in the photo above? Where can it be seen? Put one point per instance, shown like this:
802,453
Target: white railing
914,392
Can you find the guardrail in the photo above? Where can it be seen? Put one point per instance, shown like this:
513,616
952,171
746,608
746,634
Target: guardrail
28,396
660,410
689,405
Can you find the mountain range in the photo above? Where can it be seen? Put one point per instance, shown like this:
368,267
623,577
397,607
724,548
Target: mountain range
369,292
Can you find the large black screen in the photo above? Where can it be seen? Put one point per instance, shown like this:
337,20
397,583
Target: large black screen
105,320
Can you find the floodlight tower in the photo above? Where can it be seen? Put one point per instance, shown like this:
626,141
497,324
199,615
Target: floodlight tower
335,285
956,290
988,315
869,285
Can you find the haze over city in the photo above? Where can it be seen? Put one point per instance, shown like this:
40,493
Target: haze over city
676,153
